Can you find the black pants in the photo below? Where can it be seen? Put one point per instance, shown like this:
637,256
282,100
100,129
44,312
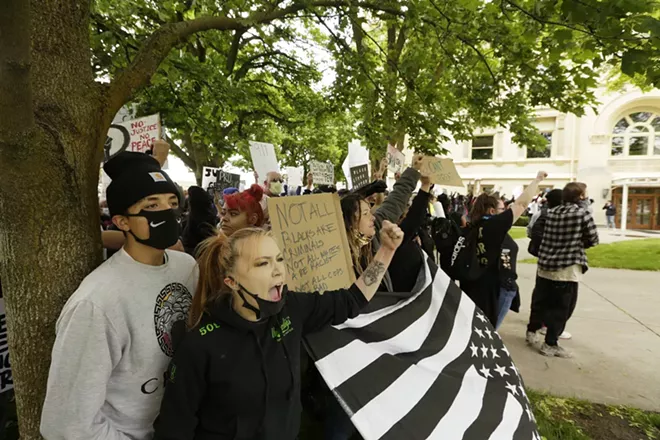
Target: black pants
553,303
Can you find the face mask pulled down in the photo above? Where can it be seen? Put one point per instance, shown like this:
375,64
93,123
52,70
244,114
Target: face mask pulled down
163,228
266,309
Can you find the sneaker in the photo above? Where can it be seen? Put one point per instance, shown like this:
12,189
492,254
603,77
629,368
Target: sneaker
531,338
565,335
555,350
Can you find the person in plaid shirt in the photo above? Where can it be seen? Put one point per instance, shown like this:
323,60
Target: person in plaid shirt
569,230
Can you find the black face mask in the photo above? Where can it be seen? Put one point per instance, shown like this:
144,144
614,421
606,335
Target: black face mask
266,308
163,228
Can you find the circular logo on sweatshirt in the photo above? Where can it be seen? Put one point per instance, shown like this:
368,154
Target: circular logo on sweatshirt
172,306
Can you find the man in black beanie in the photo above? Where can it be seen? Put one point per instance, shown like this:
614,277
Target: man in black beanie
114,335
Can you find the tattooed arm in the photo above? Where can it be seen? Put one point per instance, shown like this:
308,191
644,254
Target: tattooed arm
335,307
390,239
372,276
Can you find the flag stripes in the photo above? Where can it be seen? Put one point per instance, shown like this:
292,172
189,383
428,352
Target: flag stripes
365,319
463,410
510,420
438,397
490,414
379,376
406,391
428,365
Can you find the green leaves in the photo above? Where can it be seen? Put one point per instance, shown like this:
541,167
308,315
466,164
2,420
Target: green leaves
440,69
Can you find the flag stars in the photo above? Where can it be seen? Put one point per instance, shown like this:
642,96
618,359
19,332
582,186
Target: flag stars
485,371
522,390
505,351
475,350
494,351
515,370
481,317
479,332
484,351
489,333
512,388
501,370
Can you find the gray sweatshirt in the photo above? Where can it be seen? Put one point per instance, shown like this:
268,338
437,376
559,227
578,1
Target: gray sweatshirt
112,348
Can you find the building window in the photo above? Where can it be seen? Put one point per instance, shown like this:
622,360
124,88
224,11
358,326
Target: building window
637,134
547,149
482,148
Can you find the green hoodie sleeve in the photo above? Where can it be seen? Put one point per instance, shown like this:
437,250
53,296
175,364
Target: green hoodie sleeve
184,390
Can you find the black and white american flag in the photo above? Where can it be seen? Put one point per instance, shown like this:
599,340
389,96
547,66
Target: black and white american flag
427,365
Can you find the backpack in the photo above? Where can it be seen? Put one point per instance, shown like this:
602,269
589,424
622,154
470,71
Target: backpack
465,265
445,233
458,250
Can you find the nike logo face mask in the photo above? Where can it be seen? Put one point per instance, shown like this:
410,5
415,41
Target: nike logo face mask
163,228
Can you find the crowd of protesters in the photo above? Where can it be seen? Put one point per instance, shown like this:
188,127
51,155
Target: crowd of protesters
172,336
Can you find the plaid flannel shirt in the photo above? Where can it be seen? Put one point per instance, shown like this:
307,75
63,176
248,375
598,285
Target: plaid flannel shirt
569,230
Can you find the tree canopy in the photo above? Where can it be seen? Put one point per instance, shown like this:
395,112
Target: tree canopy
420,69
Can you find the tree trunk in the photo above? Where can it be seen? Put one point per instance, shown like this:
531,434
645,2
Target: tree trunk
49,216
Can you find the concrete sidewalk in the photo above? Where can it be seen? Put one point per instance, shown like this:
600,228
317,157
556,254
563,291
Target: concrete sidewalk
616,340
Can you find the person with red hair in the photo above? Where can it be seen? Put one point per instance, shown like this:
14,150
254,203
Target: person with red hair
242,210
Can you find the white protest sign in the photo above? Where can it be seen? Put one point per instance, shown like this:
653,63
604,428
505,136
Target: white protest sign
295,176
357,155
136,135
263,159
6,380
322,172
209,177
395,159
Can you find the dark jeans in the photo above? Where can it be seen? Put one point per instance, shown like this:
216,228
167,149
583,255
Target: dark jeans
553,303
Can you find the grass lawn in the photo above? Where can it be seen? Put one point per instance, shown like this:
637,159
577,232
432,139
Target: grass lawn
560,418
633,255
571,419
518,232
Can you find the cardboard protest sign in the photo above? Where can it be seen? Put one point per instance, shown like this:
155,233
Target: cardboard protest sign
135,135
263,159
209,177
226,180
395,159
311,233
441,171
323,173
6,380
360,176
294,176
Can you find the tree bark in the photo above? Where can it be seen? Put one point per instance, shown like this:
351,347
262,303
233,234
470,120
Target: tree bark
49,225
53,123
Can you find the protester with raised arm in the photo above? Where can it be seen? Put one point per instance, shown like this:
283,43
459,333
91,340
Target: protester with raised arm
236,375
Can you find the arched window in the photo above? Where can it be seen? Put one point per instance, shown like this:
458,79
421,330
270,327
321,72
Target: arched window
637,134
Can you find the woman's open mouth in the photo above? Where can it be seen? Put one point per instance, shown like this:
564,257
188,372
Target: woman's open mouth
275,292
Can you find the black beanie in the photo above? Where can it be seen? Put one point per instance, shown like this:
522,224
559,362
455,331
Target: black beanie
134,177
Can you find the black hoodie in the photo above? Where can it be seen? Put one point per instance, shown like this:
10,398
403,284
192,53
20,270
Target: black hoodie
201,221
235,379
